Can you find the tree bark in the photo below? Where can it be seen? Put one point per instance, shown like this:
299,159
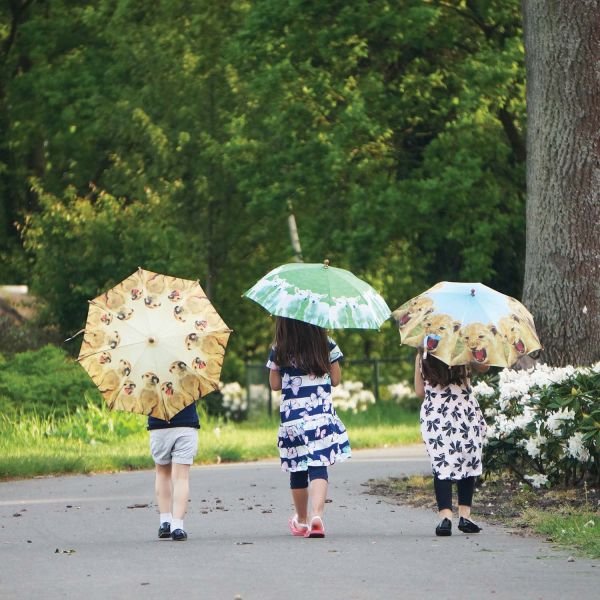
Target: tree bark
562,264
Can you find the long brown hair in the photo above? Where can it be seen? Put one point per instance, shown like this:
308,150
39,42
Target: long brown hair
301,345
437,373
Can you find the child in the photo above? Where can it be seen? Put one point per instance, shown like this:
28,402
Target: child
304,363
174,445
453,430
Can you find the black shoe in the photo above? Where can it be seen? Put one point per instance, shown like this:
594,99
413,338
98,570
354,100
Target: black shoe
444,528
164,531
178,535
467,526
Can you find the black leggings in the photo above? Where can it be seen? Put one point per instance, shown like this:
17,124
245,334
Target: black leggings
443,491
299,479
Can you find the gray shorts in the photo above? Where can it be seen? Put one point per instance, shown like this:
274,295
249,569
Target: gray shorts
174,444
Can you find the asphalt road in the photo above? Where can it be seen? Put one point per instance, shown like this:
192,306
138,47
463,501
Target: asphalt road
94,537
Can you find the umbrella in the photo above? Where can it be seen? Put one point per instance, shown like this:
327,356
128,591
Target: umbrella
463,323
321,295
153,344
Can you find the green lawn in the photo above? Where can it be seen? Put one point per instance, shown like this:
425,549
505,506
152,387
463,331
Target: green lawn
93,439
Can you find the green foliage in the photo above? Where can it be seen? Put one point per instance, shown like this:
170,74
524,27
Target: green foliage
172,136
44,382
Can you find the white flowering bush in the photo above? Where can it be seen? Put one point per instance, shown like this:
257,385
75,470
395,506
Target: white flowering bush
234,400
544,424
403,394
351,396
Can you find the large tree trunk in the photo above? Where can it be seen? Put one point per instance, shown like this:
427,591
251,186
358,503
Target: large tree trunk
562,266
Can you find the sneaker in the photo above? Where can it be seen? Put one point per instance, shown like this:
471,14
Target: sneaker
444,528
316,528
164,531
467,526
298,529
178,535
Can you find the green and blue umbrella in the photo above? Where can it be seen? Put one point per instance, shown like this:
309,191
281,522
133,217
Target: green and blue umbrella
325,296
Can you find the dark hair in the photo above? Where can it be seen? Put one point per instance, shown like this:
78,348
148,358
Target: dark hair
301,345
435,372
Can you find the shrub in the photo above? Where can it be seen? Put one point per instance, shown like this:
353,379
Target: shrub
351,396
544,424
45,381
404,395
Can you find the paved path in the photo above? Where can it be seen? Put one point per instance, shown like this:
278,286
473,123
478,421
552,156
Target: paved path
239,545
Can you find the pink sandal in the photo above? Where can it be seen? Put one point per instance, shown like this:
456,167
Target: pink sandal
316,529
298,529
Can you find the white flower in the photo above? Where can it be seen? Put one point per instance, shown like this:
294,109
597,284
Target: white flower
537,480
400,391
532,445
555,420
576,449
483,389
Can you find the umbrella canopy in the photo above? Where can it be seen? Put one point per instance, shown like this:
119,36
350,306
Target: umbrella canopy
463,323
316,293
153,344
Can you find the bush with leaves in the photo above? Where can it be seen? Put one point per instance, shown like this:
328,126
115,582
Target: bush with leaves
544,424
45,381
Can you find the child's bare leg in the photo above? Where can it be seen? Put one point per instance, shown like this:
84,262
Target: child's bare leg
318,494
163,488
181,489
300,497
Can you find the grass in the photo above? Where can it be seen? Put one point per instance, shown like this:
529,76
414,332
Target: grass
567,517
93,439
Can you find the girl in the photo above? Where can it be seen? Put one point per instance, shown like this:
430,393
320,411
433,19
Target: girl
453,430
304,363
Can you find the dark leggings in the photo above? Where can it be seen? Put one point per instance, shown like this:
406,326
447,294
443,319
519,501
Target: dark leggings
299,479
443,491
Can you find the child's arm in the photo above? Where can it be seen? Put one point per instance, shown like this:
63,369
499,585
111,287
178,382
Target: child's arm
336,373
275,379
419,388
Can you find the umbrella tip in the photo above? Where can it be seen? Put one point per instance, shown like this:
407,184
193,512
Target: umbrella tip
326,263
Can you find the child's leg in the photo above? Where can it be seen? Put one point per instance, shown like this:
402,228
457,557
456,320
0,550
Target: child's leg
181,489
443,496
163,488
466,488
299,487
318,489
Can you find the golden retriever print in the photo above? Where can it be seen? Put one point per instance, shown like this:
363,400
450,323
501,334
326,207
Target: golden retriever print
115,302
93,341
155,284
408,316
133,286
443,335
192,306
114,340
482,344
152,302
519,337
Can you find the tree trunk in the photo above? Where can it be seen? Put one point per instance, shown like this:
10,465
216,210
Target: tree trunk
562,264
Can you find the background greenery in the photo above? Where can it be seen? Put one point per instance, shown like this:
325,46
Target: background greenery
172,135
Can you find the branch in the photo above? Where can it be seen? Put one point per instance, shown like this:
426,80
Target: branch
513,134
17,13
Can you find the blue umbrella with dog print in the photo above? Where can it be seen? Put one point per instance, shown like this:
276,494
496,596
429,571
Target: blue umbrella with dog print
464,323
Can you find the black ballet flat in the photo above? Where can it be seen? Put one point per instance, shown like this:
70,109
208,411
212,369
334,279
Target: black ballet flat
164,531
467,526
444,528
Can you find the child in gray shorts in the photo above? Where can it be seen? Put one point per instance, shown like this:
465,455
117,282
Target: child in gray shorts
174,445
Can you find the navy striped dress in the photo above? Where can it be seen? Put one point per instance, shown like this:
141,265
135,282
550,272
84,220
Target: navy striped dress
310,434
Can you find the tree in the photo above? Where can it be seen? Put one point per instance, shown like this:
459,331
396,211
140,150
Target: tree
562,268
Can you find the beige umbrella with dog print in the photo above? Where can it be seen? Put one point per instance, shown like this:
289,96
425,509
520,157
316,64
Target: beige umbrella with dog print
468,323
153,344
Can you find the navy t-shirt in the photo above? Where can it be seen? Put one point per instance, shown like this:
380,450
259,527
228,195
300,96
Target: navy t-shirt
188,417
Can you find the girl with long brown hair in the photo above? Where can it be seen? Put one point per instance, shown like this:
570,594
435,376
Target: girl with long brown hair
304,363
453,429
